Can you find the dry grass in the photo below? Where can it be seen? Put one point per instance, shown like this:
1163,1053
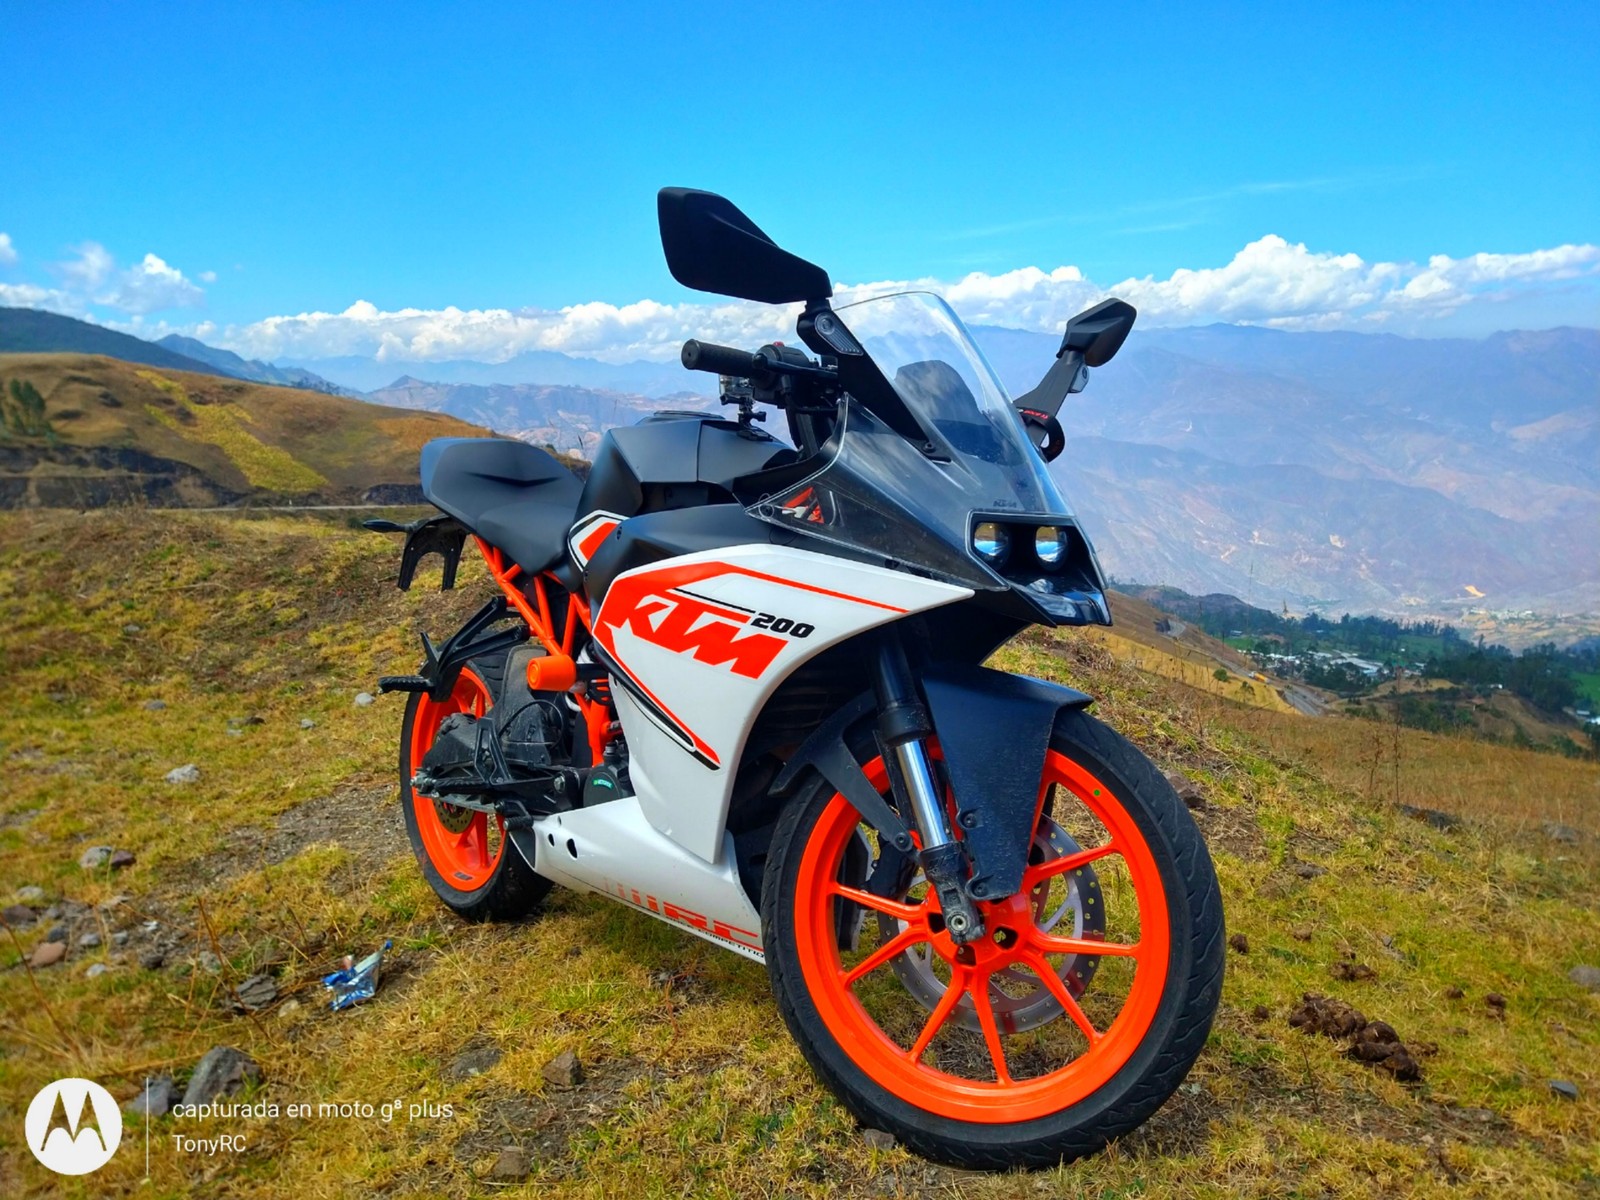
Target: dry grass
289,851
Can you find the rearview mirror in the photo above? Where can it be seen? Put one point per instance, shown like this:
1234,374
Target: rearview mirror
1098,333
713,247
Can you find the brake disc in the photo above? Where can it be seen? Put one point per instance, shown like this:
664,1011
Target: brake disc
1019,1000
453,817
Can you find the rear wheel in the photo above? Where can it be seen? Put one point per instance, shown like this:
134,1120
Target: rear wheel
465,854
1068,1024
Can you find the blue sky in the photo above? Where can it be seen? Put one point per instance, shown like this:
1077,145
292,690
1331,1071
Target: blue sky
285,159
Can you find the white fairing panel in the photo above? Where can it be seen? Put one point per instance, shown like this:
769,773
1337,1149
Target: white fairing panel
611,849
702,641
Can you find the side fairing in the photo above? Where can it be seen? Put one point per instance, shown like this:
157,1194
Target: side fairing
699,644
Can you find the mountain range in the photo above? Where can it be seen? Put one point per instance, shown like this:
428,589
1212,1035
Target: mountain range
1319,470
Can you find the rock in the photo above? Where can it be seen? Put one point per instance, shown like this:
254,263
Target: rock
564,1070
121,860
512,1165
53,912
152,960
188,773
89,941
1352,972
155,1099
1584,977
207,960
223,1071
363,699
1564,1088
288,1009
1260,1013
235,733
96,970
256,992
307,723
1431,816
18,915
241,722
1188,790
95,857
878,1139
57,933
47,954
470,1062
1307,870
119,937
133,627
1562,833
30,894
155,705
1239,943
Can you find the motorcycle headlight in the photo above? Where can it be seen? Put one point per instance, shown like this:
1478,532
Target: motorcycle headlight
991,540
1050,544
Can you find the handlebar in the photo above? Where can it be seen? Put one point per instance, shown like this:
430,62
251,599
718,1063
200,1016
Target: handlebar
766,363
720,360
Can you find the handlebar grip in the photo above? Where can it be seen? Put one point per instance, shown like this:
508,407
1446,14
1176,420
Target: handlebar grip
719,360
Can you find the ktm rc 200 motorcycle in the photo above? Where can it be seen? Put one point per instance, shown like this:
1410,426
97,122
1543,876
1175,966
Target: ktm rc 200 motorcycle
736,683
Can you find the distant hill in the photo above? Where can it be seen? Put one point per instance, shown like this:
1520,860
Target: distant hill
31,331
571,418
253,369
1365,472
114,432
548,368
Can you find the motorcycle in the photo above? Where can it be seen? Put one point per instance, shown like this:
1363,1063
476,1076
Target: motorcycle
736,682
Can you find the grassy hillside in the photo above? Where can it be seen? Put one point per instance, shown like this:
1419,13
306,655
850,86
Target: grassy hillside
117,432
1152,641
288,852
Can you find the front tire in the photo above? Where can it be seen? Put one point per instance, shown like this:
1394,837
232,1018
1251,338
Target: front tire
952,1075
465,855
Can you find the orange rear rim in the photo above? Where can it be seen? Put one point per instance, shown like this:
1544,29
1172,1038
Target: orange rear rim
985,1074
460,843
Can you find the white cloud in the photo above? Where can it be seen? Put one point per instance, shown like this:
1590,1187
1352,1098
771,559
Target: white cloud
91,279
91,267
208,277
1269,282
149,286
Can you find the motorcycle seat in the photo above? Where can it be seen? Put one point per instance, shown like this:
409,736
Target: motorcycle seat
513,495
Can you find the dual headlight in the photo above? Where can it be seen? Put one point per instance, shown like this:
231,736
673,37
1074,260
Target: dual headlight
993,542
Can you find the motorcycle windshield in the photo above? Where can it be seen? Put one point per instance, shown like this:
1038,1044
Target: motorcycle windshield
911,504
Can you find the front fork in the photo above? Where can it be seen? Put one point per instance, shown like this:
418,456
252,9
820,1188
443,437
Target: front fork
904,729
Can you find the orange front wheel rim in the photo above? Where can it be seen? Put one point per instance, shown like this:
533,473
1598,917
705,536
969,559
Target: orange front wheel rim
987,1073
463,845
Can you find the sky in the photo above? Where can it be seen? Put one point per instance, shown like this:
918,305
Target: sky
433,181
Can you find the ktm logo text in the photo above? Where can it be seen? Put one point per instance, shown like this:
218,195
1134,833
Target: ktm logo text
707,632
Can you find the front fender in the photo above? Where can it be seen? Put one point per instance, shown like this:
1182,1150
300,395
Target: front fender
993,730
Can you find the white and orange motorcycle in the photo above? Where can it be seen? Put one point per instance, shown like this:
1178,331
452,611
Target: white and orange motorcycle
735,682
